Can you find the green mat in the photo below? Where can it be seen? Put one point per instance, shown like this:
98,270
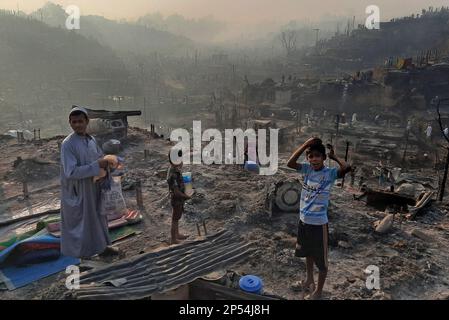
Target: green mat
14,236
121,233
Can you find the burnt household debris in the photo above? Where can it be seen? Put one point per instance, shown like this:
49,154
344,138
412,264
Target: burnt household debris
380,98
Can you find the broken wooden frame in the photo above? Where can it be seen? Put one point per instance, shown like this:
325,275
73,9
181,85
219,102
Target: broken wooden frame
382,200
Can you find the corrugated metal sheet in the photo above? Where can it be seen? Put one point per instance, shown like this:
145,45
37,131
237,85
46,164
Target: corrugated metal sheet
156,272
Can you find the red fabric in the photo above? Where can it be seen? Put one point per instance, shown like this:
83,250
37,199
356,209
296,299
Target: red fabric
28,247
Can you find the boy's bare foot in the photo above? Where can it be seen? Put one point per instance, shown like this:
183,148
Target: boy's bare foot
314,296
308,286
174,241
182,237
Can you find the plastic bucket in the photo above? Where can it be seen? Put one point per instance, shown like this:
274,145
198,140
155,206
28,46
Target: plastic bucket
251,284
252,166
187,177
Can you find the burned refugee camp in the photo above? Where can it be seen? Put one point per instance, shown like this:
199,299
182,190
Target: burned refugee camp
219,150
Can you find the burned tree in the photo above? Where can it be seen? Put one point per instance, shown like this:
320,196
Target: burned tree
288,41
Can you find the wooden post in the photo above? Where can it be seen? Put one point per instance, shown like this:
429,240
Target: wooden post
347,150
26,194
145,110
39,134
443,182
437,160
346,160
21,136
204,226
406,145
139,196
337,125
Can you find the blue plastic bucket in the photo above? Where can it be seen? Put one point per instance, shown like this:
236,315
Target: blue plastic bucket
252,166
187,177
251,284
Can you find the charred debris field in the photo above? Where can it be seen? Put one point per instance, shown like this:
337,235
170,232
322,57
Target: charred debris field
409,252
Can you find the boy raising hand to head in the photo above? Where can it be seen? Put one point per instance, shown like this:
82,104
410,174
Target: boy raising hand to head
313,221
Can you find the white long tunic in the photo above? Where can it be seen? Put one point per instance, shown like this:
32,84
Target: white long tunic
84,232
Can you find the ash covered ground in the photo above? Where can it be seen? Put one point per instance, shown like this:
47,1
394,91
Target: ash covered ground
229,197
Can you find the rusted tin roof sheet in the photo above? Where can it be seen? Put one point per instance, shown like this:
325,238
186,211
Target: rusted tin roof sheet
142,276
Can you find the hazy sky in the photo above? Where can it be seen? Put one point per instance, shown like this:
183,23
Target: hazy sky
237,11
